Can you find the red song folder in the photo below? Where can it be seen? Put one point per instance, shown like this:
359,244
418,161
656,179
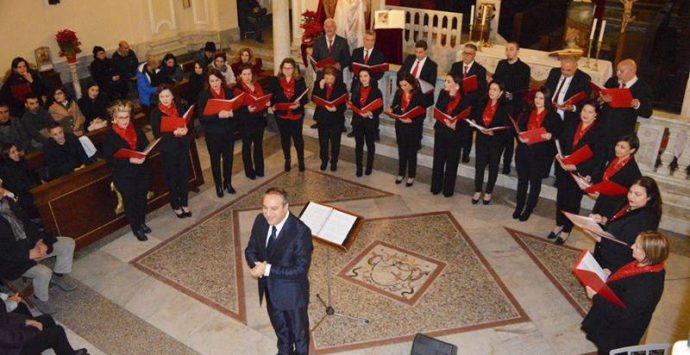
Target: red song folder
534,136
579,156
170,124
411,114
608,188
371,107
575,99
214,106
620,98
124,153
318,101
442,117
260,103
285,106
378,68
328,61
590,273
470,84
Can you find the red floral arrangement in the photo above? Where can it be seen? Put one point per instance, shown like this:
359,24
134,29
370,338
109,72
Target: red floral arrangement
311,26
68,42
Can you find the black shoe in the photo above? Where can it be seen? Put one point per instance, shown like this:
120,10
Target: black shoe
250,175
351,134
435,192
448,195
506,170
141,236
517,213
145,228
561,241
301,165
485,201
409,182
553,235
398,180
260,174
476,200
334,166
324,165
465,158
368,170
288,163
314,126
81,351
359,171
219,190
525,215
188,214
179,215
228,188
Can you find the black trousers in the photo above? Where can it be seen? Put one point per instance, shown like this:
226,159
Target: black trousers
253,142
133,191
292,329
467,134
534,185
365,133
51,337
488,153
220,146
407,159
291,130
568,198
445,166
329,139
507,149
176,170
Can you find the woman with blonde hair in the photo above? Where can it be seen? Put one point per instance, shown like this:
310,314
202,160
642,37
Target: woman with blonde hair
246,57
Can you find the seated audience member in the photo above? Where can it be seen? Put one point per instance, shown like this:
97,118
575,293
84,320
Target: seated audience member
106,75
13,303
23,244
66,112
93,106
206,54
11,130
17,178
21,334
170,72
63,153
245,56
197,78
20,82
219,63
125,61
147,80
250,15
35,121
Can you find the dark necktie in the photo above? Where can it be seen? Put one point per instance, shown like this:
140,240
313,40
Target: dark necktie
464,73
366,56
623,85
271,239
558,92
330,46
415,69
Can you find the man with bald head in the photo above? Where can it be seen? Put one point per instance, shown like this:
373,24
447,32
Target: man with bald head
125,62
564,83
621,121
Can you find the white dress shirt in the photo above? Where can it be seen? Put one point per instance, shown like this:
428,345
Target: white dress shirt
561,95
628,84
420,66
279,227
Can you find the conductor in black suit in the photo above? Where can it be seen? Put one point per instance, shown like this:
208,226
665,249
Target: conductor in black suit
422,68
566,82
279,254
466,68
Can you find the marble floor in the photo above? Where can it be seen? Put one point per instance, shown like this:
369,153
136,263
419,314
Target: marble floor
123,308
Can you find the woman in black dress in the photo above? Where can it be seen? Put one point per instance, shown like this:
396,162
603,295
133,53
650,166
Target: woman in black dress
576,134
331,118
491,112
408,131
17,178
641,212
174,148
130,175
365,128
447,137
286,87
252,121
219,131
533,161
93,106
19,83
639,285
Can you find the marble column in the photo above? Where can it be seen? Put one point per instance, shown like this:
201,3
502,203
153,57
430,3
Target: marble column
685,110
297,9
281,32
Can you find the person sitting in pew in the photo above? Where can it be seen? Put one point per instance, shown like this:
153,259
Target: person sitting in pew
93,106
35,121
17,178
11,130
63,153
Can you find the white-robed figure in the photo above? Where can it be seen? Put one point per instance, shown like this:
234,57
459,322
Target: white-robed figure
349,19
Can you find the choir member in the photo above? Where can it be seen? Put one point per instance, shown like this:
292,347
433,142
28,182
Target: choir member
421,67
533,161
515,76
566,82
130,175
219,131
365,127
408,131
286,87
174,148
65,111
467,68
245,57
367,55
448,137
331,45
621,170
220,64
641,212
331,118
575,135
19,83
93,107
252,122
639,285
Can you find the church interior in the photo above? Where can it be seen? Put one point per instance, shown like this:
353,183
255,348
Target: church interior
458,270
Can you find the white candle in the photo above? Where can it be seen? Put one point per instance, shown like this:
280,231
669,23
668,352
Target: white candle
601,31
484,8
594,29
472,15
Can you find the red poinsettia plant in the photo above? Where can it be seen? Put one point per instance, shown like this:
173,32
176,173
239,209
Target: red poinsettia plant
68,42
311,26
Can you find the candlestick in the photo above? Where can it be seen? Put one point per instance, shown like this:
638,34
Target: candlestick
484,8
596,62
472,15
601,31
594,29
589,53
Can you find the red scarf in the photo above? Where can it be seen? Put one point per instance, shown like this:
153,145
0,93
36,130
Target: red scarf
128,134
329,91
620,213
219,95
580,133
364,95
169,111
453,103
535,119
405,99
615,166
489,113
258,90
288,88
632,269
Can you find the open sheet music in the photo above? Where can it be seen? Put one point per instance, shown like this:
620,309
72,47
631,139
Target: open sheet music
590,273
591,226
328,223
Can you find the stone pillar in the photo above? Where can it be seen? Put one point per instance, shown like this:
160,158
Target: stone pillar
297,10
281,32
685,110
75,79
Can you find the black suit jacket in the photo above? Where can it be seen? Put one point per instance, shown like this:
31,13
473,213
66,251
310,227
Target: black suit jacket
593,138
476,69
428,73
279,96
579,83
61,160
375,57
214,124
500,119
324,116
535,160
612,255
442,104
340,53
409,133
606,205
290,257
374,94
169,143
620,121
13,332
122,168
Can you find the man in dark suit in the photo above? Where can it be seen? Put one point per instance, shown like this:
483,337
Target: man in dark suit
467,68
367,55
63,153
566,82
422,68
279,254
618,122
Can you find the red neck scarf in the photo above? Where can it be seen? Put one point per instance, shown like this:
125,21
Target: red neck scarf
288,88
454,101
632,269
329,91
219,95
581,131
489,113
128,134
258,90
170,111
364,95
620,213
615,166
405,101
535,119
